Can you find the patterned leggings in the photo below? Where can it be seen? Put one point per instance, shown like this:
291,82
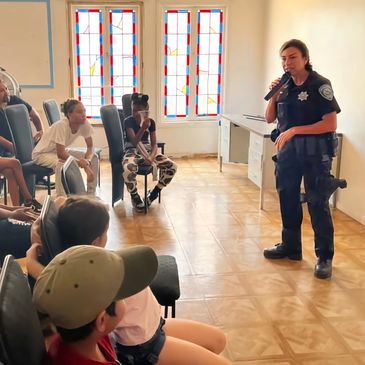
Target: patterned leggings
132,159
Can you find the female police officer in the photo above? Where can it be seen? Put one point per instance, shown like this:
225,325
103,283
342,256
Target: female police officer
306,111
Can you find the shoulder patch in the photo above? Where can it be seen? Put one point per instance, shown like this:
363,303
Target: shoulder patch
326,91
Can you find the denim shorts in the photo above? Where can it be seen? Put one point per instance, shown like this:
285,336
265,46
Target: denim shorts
146,353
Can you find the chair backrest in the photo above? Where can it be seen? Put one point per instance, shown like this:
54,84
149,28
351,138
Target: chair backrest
21,339
5,131
52,111
50,234
113,131
19,122
71,178
127,105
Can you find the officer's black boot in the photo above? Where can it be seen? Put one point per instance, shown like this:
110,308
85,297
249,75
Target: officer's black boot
281,251
323,269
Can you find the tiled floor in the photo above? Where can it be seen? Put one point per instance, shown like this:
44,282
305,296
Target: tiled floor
272,312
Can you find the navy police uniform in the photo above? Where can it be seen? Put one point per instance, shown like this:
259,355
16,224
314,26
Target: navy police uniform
307,156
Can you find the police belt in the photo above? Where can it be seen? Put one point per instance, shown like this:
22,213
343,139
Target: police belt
316,145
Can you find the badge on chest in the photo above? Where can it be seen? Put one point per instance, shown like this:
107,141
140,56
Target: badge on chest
303,96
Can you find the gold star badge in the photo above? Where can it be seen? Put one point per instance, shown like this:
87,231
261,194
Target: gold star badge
303,96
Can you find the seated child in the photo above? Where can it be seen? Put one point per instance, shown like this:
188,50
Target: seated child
82,291
141,149
143,336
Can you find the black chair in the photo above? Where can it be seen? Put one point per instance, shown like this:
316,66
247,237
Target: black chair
114,135
18,118
21,339
165,285
71,178
53,115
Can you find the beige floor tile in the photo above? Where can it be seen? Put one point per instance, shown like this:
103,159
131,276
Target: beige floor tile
352,331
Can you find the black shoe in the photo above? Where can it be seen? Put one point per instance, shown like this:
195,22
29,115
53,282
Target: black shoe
34,204
137,202
152,195
323,269
280,251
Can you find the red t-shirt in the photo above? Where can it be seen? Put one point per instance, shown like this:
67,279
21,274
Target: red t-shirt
61,354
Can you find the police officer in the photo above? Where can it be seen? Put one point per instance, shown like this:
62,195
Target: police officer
306,112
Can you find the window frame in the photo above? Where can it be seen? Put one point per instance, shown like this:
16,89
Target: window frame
105,7
192,117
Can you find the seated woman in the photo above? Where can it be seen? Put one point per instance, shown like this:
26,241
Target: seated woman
142,150
12,170
15,228
51,151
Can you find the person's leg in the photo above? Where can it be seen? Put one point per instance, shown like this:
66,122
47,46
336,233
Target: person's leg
17,173
130,168
13,187
94,167
51,161
209,337
181,352
168,170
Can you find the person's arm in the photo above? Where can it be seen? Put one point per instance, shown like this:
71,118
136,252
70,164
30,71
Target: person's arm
327,124
62,154
36,119
153,152
270,113
6,144
89,148
34,267
135,138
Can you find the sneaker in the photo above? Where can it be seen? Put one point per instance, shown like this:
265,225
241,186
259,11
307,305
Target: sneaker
152,195
34,204
323,269
280,251
137,202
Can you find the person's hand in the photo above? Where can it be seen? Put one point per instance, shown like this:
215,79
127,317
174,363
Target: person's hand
23,214
283,138
146,123
38,136
83,163
272,85
89,174
148,161
34,251
35,231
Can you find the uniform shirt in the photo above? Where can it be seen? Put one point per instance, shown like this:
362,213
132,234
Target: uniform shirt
59,353
305,104
60,133
140,321
130,122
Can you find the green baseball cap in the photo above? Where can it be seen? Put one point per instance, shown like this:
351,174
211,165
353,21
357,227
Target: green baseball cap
82,281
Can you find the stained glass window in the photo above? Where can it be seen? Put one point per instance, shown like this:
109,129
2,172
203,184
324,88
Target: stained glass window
176,63
123,59
209,62
89,59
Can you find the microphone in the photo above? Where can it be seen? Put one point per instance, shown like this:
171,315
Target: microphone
284,79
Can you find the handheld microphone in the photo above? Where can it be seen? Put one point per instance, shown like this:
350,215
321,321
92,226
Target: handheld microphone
284,79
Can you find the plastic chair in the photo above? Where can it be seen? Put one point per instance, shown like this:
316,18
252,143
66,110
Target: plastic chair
71,178
114,135
53,115
19,122
21,338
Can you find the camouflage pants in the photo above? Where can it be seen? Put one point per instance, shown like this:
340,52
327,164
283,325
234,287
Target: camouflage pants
131,162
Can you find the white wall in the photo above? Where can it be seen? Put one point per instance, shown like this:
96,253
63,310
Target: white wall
334,31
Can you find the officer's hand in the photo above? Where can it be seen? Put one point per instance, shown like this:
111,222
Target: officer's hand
283,138
272,85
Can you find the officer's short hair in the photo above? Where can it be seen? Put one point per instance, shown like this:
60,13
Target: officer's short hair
298,44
